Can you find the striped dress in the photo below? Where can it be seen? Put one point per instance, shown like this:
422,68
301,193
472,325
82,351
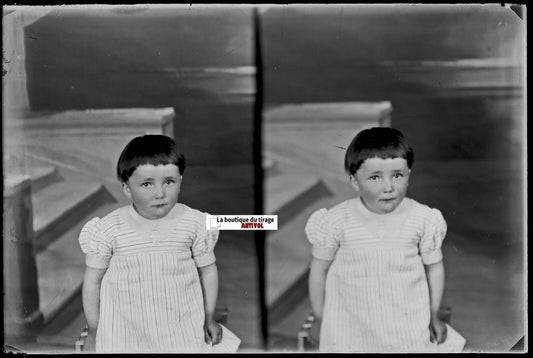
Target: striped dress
150,298
377,296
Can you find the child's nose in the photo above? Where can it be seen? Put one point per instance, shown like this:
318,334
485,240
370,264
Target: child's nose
159,191
388,186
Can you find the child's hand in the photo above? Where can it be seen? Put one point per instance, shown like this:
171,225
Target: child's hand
437,330
212,332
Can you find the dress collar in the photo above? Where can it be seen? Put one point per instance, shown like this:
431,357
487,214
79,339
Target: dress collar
141,224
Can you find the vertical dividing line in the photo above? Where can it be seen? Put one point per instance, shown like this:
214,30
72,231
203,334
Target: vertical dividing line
259,235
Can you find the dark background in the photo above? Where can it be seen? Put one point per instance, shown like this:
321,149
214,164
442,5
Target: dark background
101,59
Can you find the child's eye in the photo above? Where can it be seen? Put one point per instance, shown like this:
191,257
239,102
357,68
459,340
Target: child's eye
374,177
398,175
170,181
146,185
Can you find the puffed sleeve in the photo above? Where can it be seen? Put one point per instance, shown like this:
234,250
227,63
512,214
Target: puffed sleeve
322,235
95,245
431,242
204,243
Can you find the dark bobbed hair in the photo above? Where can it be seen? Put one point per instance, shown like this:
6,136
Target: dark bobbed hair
377,142
155,149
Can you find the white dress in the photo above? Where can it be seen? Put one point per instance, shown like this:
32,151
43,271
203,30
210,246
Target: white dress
151,298
377,296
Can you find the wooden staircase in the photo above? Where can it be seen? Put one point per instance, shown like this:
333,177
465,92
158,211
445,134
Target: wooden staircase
69,158
63,202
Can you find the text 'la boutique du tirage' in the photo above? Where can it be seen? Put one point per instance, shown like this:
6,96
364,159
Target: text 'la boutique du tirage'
242,222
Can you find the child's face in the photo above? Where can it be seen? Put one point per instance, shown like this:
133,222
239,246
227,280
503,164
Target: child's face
382,183
153,189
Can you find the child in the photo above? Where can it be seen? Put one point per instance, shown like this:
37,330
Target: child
151,282
377,277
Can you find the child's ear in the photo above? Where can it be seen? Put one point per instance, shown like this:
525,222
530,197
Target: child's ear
126,190
354,183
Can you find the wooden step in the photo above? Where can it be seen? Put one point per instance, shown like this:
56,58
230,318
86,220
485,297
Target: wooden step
60,269
324,114
96,121
43,176
288,194
61,204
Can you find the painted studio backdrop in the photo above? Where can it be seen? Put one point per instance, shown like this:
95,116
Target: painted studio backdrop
263,102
